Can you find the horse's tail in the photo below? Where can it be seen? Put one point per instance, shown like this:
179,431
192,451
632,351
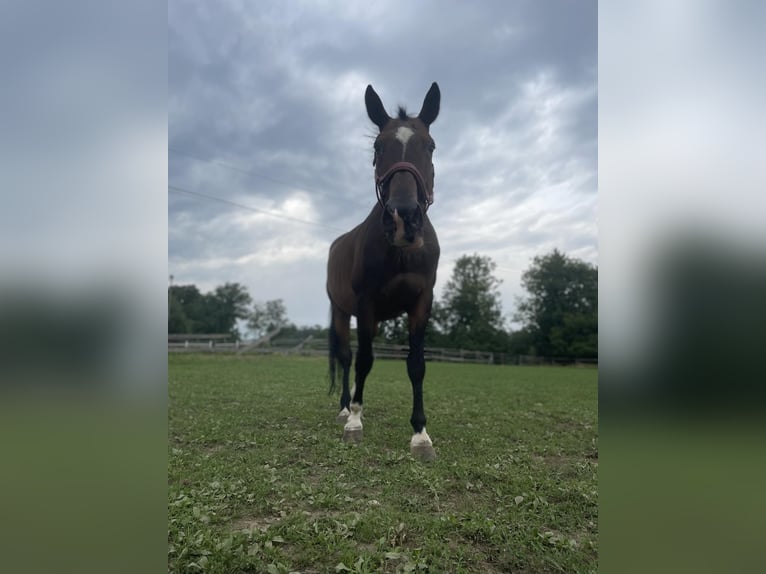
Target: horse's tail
333,346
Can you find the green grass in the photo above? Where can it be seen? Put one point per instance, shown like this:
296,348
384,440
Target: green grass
260,481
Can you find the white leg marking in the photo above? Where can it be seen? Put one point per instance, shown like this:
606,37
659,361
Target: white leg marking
403,134
420,438
343,413
355,418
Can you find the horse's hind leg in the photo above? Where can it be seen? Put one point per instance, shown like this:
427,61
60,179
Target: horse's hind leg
340,350
352,432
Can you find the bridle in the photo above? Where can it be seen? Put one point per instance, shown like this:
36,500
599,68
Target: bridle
423,193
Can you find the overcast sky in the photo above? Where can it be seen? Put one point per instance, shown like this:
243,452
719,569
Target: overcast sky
266,114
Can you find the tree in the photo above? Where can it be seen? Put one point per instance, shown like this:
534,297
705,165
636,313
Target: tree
185,309
470,313
395,331
178,322
190,311
266,317
521,342
293,331
560,312
224,306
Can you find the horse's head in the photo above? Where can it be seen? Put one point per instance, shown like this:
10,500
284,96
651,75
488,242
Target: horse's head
404,170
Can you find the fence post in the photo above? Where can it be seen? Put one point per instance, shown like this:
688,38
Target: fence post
210,344
186,344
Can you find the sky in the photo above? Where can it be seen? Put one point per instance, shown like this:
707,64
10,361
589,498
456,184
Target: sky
270,146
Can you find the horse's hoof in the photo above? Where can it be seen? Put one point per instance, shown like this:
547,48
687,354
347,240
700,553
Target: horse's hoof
423,452
342,416
352,435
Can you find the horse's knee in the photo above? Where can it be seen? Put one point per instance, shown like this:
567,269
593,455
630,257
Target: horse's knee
416,367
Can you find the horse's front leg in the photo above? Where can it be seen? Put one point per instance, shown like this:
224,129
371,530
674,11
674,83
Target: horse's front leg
340,351
352,431
421,446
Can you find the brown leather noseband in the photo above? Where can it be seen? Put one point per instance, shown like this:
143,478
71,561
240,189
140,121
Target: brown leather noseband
382,180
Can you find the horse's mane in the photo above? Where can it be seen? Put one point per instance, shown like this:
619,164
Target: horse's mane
403,113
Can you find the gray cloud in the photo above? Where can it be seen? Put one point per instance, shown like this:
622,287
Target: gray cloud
266,110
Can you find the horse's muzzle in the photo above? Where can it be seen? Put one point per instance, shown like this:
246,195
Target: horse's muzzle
403,226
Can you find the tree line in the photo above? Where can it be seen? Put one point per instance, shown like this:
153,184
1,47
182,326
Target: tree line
558,313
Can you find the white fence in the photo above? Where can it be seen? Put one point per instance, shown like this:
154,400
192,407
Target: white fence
310,346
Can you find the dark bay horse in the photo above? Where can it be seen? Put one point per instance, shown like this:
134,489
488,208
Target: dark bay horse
386,265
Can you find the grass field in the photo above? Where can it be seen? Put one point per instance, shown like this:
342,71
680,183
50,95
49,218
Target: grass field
260,481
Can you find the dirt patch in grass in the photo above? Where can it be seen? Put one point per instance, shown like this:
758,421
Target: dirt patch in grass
212,449
250,523
558,460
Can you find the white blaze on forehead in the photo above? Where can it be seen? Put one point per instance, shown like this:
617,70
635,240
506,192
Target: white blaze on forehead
403,134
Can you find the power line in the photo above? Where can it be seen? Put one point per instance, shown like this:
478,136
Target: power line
250,208
230,166
261,176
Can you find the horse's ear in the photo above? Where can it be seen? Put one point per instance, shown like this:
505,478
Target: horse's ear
430,108
375,109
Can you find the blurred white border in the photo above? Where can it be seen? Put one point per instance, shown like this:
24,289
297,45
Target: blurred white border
681,147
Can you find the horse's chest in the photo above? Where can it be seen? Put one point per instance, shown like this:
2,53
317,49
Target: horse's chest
401,291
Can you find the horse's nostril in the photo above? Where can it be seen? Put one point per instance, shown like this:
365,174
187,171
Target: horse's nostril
412,217
389,221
